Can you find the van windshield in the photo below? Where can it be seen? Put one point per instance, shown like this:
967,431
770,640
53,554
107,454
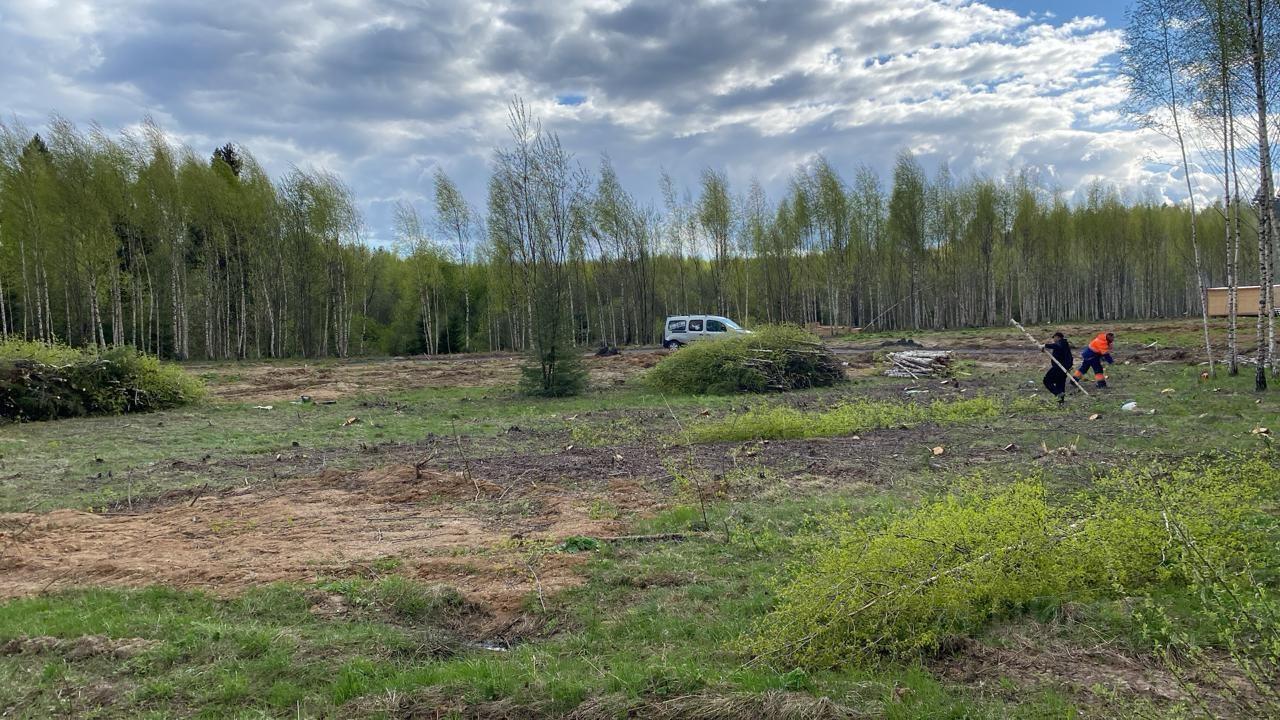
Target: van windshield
732,325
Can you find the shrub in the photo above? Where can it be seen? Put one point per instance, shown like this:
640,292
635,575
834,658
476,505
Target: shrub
905,583
40,382
46,353
559,372
785,423
773,358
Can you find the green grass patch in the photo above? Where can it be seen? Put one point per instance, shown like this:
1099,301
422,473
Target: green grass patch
780,422
262,654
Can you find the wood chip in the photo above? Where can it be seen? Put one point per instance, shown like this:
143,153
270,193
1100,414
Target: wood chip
1095,416
350,421
938,450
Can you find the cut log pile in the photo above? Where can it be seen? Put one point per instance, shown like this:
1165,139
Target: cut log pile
919,363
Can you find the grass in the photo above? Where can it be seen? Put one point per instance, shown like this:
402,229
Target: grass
90,462
652,623
215,658
778,422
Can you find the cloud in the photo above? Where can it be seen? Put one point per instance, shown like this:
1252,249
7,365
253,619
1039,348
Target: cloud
384,91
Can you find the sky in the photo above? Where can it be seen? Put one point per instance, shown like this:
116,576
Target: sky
384,92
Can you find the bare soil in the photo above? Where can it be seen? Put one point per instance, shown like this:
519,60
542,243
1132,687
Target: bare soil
442,527
284,381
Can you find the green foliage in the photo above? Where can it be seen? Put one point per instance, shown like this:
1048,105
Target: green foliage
905,583
39,382
780,422
556,372
1233,609
773,358
1222,553
46,353
579,543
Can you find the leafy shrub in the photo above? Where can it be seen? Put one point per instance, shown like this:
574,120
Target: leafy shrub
773,358
558,372
1234,611
785,423
40,382
905,583
48,354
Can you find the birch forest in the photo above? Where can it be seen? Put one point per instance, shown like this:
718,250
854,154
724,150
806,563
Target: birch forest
110,240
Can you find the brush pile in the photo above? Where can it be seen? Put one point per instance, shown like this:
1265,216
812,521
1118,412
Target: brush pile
773,358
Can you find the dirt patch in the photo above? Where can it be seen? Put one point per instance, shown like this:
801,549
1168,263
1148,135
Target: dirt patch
491,541
1036,657
79,648
285,381
1078,670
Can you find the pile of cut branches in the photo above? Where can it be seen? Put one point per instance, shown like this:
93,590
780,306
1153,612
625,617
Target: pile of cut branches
774,358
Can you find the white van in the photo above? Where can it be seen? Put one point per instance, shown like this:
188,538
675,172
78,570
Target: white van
684,329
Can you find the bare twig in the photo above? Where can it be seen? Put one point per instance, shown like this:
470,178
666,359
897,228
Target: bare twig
13,539
418,466
466,464
537,584
199,492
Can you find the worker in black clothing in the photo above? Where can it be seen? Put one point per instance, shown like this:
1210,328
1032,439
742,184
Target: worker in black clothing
1055,381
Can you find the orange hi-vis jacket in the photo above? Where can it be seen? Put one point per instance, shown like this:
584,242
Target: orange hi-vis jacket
1100,345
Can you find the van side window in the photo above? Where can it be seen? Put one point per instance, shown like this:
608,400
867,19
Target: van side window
716,326
675,326
695,326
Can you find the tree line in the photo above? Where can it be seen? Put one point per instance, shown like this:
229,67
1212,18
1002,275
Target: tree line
109,240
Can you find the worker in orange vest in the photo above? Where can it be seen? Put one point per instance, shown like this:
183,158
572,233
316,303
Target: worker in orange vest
1098,350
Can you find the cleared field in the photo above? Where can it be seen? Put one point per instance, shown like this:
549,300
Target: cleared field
290,561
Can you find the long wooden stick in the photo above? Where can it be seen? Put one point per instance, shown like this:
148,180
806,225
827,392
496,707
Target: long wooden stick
1040,345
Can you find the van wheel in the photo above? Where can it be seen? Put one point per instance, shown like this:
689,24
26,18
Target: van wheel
671,344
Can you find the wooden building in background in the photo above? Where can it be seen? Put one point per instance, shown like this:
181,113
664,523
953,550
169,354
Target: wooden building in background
1246,297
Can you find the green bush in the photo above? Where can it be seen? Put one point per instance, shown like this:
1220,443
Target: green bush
46,353
904,584
786,423
558,372
43,382
774,358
